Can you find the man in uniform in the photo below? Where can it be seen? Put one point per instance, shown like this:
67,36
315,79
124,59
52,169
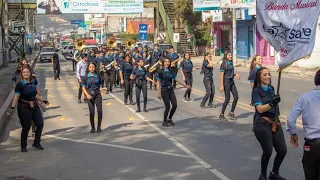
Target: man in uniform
56,65
308,105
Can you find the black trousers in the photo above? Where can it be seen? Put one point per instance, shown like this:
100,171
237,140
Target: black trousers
95,101
210,91
109,79
117,77
80,89
128,88
152,76
26,116
56,70
189,82
174,81
311,159
168,96
74,65
269,140
229,86
141,86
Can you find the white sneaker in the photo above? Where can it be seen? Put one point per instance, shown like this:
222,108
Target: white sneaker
184,99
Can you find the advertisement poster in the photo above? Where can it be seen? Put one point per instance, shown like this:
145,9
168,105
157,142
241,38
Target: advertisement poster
206,5
89,6
238,3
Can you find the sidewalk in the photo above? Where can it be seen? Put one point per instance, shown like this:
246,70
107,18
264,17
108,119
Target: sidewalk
246,64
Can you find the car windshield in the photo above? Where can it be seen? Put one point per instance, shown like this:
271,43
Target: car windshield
47,50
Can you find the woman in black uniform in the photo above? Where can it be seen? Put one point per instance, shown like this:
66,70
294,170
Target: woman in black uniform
165,91
28,110
139,74
91,84
267,127
126,69
207,69
227,85
186,69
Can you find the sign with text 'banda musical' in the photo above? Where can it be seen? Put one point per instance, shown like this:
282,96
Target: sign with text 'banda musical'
89,6
206,5
289,26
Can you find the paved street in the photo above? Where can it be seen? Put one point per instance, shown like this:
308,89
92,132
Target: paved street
136,147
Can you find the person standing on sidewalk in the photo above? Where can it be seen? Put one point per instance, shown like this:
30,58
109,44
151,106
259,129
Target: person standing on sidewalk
207,71
28,110
81,72
56,65
227,85
308,105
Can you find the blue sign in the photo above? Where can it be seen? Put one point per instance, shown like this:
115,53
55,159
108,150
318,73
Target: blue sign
76,21
143,32
29,36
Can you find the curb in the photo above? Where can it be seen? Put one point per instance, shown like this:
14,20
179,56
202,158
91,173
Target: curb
4,119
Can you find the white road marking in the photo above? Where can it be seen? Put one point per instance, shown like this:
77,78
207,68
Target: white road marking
175,142
119,146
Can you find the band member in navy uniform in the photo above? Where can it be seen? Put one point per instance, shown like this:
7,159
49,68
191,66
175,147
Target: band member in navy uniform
109,71
172,56
91,85
56,65
256,64
28,110
125,72
227,85
139,74
186,69
166,92
207,71
267,127
308,105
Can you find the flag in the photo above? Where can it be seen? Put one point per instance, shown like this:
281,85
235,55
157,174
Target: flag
289,26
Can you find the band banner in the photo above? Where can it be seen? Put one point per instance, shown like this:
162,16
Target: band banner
289,26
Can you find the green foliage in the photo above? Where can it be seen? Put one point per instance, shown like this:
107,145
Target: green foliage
202,35
73,37
126,37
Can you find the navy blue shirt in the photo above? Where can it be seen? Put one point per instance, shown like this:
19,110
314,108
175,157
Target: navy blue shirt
207,71
172,56
126,69
252,74
228,70
157,53
27,91
262,96
56,59
187,67
166,76
92,83
140,74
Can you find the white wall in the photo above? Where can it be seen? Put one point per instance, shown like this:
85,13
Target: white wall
314,60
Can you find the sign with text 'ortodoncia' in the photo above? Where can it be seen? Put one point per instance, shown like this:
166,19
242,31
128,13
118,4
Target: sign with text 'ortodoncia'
143,32
89,6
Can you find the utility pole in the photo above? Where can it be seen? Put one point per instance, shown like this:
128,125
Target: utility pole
234,36
6,31
21,33
157,22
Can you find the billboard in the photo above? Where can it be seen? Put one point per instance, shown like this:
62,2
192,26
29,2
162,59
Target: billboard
206,5
238,3
89,6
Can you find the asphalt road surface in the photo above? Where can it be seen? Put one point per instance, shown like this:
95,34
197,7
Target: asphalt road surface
136,147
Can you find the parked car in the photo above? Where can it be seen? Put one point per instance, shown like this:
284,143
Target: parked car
46,53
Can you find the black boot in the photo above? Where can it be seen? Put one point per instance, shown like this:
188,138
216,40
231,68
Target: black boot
275,176
145,105
93,129
165,123
262,177
171,122
138,106
99,126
